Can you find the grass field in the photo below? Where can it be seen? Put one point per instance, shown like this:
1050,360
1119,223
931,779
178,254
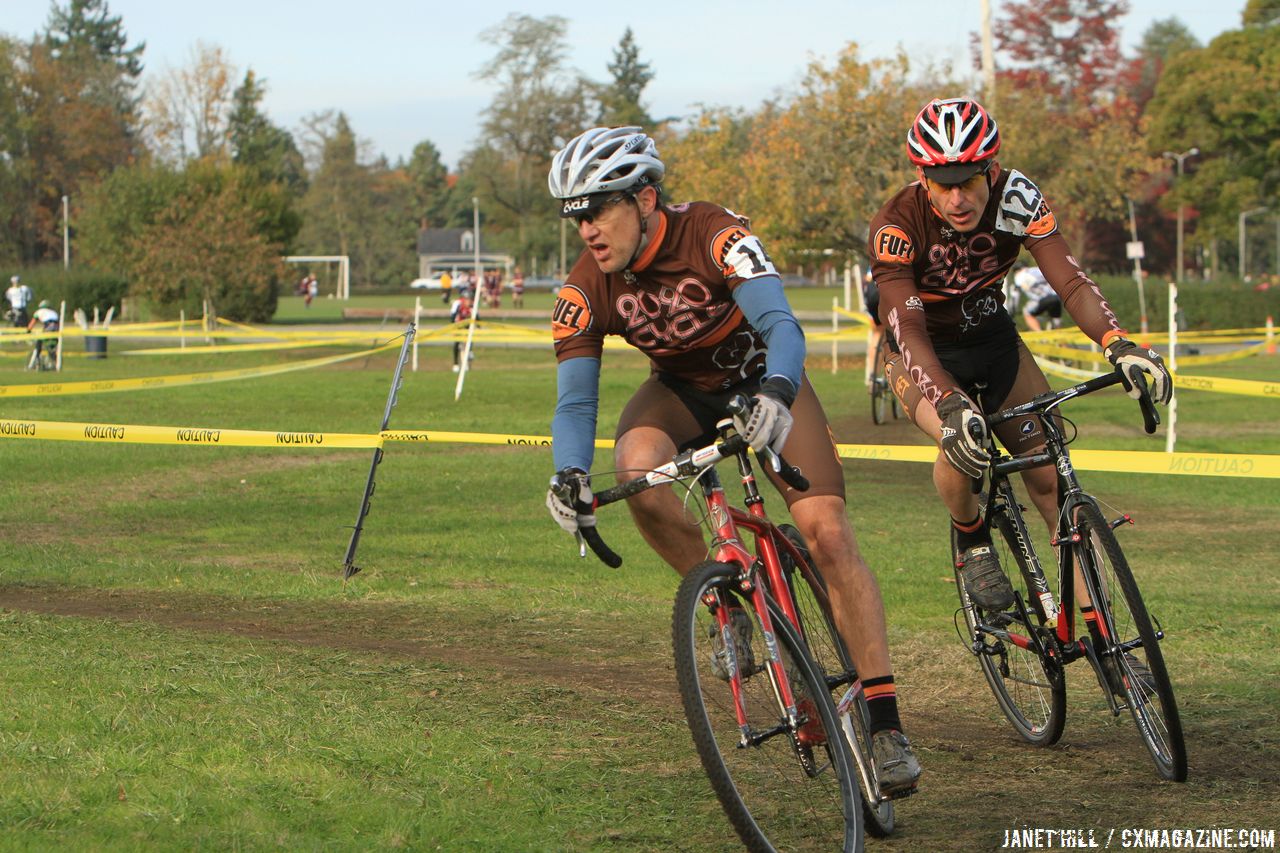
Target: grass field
183,668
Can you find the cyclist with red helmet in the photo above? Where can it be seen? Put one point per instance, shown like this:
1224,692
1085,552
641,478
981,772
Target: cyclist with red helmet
940,250
690,286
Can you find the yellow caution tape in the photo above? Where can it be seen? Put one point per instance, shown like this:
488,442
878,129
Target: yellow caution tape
196,436
1245,387
102,386
1137,462
1223,385
1071,354
857,316
229,348
1198,464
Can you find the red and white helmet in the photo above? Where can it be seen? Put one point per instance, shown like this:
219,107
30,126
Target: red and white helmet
953,139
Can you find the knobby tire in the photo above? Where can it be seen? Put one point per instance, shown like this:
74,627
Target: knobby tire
808,589
1126,619
1030,690
781,793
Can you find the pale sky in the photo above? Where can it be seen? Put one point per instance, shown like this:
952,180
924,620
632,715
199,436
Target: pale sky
402,70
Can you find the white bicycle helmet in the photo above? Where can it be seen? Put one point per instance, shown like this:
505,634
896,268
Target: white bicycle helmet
600,161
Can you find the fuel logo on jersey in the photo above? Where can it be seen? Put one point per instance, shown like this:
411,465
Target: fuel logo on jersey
894,246
740,253
571,314
1043,223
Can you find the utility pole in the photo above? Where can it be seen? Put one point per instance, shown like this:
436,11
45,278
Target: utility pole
66,239
563,272
1180,158
1135,251
988,59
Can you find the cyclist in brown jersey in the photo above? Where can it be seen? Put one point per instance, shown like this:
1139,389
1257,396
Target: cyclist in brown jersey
940,250
693,288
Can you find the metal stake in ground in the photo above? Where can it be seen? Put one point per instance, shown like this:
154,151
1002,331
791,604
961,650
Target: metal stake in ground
349,567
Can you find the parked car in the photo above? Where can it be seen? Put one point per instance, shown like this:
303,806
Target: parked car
543,283
433,283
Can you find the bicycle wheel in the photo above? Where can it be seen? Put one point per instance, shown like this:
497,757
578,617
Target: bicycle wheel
782,787
830,653
879,401
1126,622
1031,690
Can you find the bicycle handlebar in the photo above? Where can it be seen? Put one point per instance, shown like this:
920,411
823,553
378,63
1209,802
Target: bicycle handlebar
686,464
1051,399
568,492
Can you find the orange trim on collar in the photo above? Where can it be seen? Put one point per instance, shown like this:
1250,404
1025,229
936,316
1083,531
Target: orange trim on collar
651,250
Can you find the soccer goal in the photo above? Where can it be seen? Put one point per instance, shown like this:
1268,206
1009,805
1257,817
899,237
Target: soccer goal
341,282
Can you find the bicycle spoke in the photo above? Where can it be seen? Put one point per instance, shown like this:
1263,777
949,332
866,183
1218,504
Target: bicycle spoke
829,652
1133,651
795,786
1029,690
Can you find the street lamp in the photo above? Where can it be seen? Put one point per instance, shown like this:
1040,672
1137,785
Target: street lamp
66,236
1245,214
1180,158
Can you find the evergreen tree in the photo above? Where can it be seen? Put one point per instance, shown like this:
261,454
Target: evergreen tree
261,146
620,100
430,182
86,31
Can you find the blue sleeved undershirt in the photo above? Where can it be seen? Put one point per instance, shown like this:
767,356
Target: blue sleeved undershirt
765,307
573,429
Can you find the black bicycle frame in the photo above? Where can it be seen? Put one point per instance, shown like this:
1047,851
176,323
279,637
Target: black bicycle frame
1059,616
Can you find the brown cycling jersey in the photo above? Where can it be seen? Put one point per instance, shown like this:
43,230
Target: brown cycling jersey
938,285
675,302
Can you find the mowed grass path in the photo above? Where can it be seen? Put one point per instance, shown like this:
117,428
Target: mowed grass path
184,669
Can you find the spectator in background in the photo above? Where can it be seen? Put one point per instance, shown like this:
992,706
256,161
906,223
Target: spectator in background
49,321
460,312
313,290
1037,297
517,289
446,287
19,297
493,289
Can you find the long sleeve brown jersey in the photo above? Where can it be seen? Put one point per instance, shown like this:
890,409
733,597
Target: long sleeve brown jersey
940,286
676,302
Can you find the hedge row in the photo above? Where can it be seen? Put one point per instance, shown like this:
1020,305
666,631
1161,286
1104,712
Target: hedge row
1204,305
79,287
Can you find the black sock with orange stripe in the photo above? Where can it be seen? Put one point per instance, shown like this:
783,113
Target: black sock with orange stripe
970,533
882,703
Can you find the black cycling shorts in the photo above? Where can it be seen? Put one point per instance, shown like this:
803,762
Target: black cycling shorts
1004,366
871,298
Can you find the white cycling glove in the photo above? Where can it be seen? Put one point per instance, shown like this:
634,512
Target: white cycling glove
569,500
966,453
767,424
1124,354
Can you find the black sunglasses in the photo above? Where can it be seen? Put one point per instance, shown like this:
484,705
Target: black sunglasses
588,218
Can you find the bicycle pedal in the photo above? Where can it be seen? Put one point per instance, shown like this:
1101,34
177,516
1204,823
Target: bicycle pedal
899,795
